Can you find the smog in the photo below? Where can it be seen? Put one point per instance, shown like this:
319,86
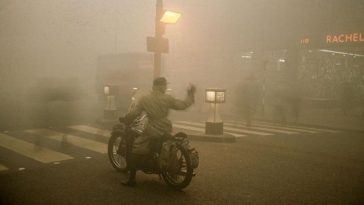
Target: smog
268,65
50,46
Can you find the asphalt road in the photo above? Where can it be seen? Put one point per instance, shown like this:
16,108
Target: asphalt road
281,169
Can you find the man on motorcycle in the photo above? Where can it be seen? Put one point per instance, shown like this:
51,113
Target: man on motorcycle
157,105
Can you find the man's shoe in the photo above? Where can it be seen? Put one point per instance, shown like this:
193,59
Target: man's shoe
129,183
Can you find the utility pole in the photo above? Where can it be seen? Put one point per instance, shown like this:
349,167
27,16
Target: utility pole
157,44
159,31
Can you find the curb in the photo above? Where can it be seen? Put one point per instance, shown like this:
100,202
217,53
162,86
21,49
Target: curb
317,126
329,127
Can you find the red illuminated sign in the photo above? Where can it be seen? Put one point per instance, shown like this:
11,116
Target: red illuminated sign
345,38
305,41
333,40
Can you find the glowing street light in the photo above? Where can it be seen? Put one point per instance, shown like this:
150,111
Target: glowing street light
214,124
110,110
158,44
281,60
106,90
170,17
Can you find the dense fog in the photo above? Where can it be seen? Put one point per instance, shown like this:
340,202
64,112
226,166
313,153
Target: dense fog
56,56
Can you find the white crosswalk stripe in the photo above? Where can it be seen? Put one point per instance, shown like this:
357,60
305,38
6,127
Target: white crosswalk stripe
284,128
262,128
201,129
302,127
74,140
3,168
231,129
266,127
91,130
26,149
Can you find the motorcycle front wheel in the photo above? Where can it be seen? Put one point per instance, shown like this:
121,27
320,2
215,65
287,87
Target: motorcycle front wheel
180,172
117,152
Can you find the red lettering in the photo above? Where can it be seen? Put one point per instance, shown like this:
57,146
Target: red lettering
344,38
341,38
335,39
349,37
355,37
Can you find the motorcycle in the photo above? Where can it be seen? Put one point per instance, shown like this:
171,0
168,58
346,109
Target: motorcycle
175,163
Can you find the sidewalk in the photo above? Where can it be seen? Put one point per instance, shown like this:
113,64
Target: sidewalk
333,118
330,118
323,117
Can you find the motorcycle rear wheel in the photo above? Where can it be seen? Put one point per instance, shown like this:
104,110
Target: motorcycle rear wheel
181,177
117,152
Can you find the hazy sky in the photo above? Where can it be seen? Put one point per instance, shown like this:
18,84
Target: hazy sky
64,38
67,36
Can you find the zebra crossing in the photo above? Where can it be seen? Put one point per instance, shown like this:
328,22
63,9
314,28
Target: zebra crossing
259,128
86,139
199,128
27,145
43,155
74,140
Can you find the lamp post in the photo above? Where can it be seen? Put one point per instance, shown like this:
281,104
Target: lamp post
214,124
158,44
159,30
110,111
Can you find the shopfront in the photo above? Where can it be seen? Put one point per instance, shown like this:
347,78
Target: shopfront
324,70
331,64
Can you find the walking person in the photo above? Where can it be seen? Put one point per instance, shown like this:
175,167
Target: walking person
295,100
250,98
279,100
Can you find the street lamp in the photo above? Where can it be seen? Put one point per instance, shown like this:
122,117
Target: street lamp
110,110
158,44
170,17
214,124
